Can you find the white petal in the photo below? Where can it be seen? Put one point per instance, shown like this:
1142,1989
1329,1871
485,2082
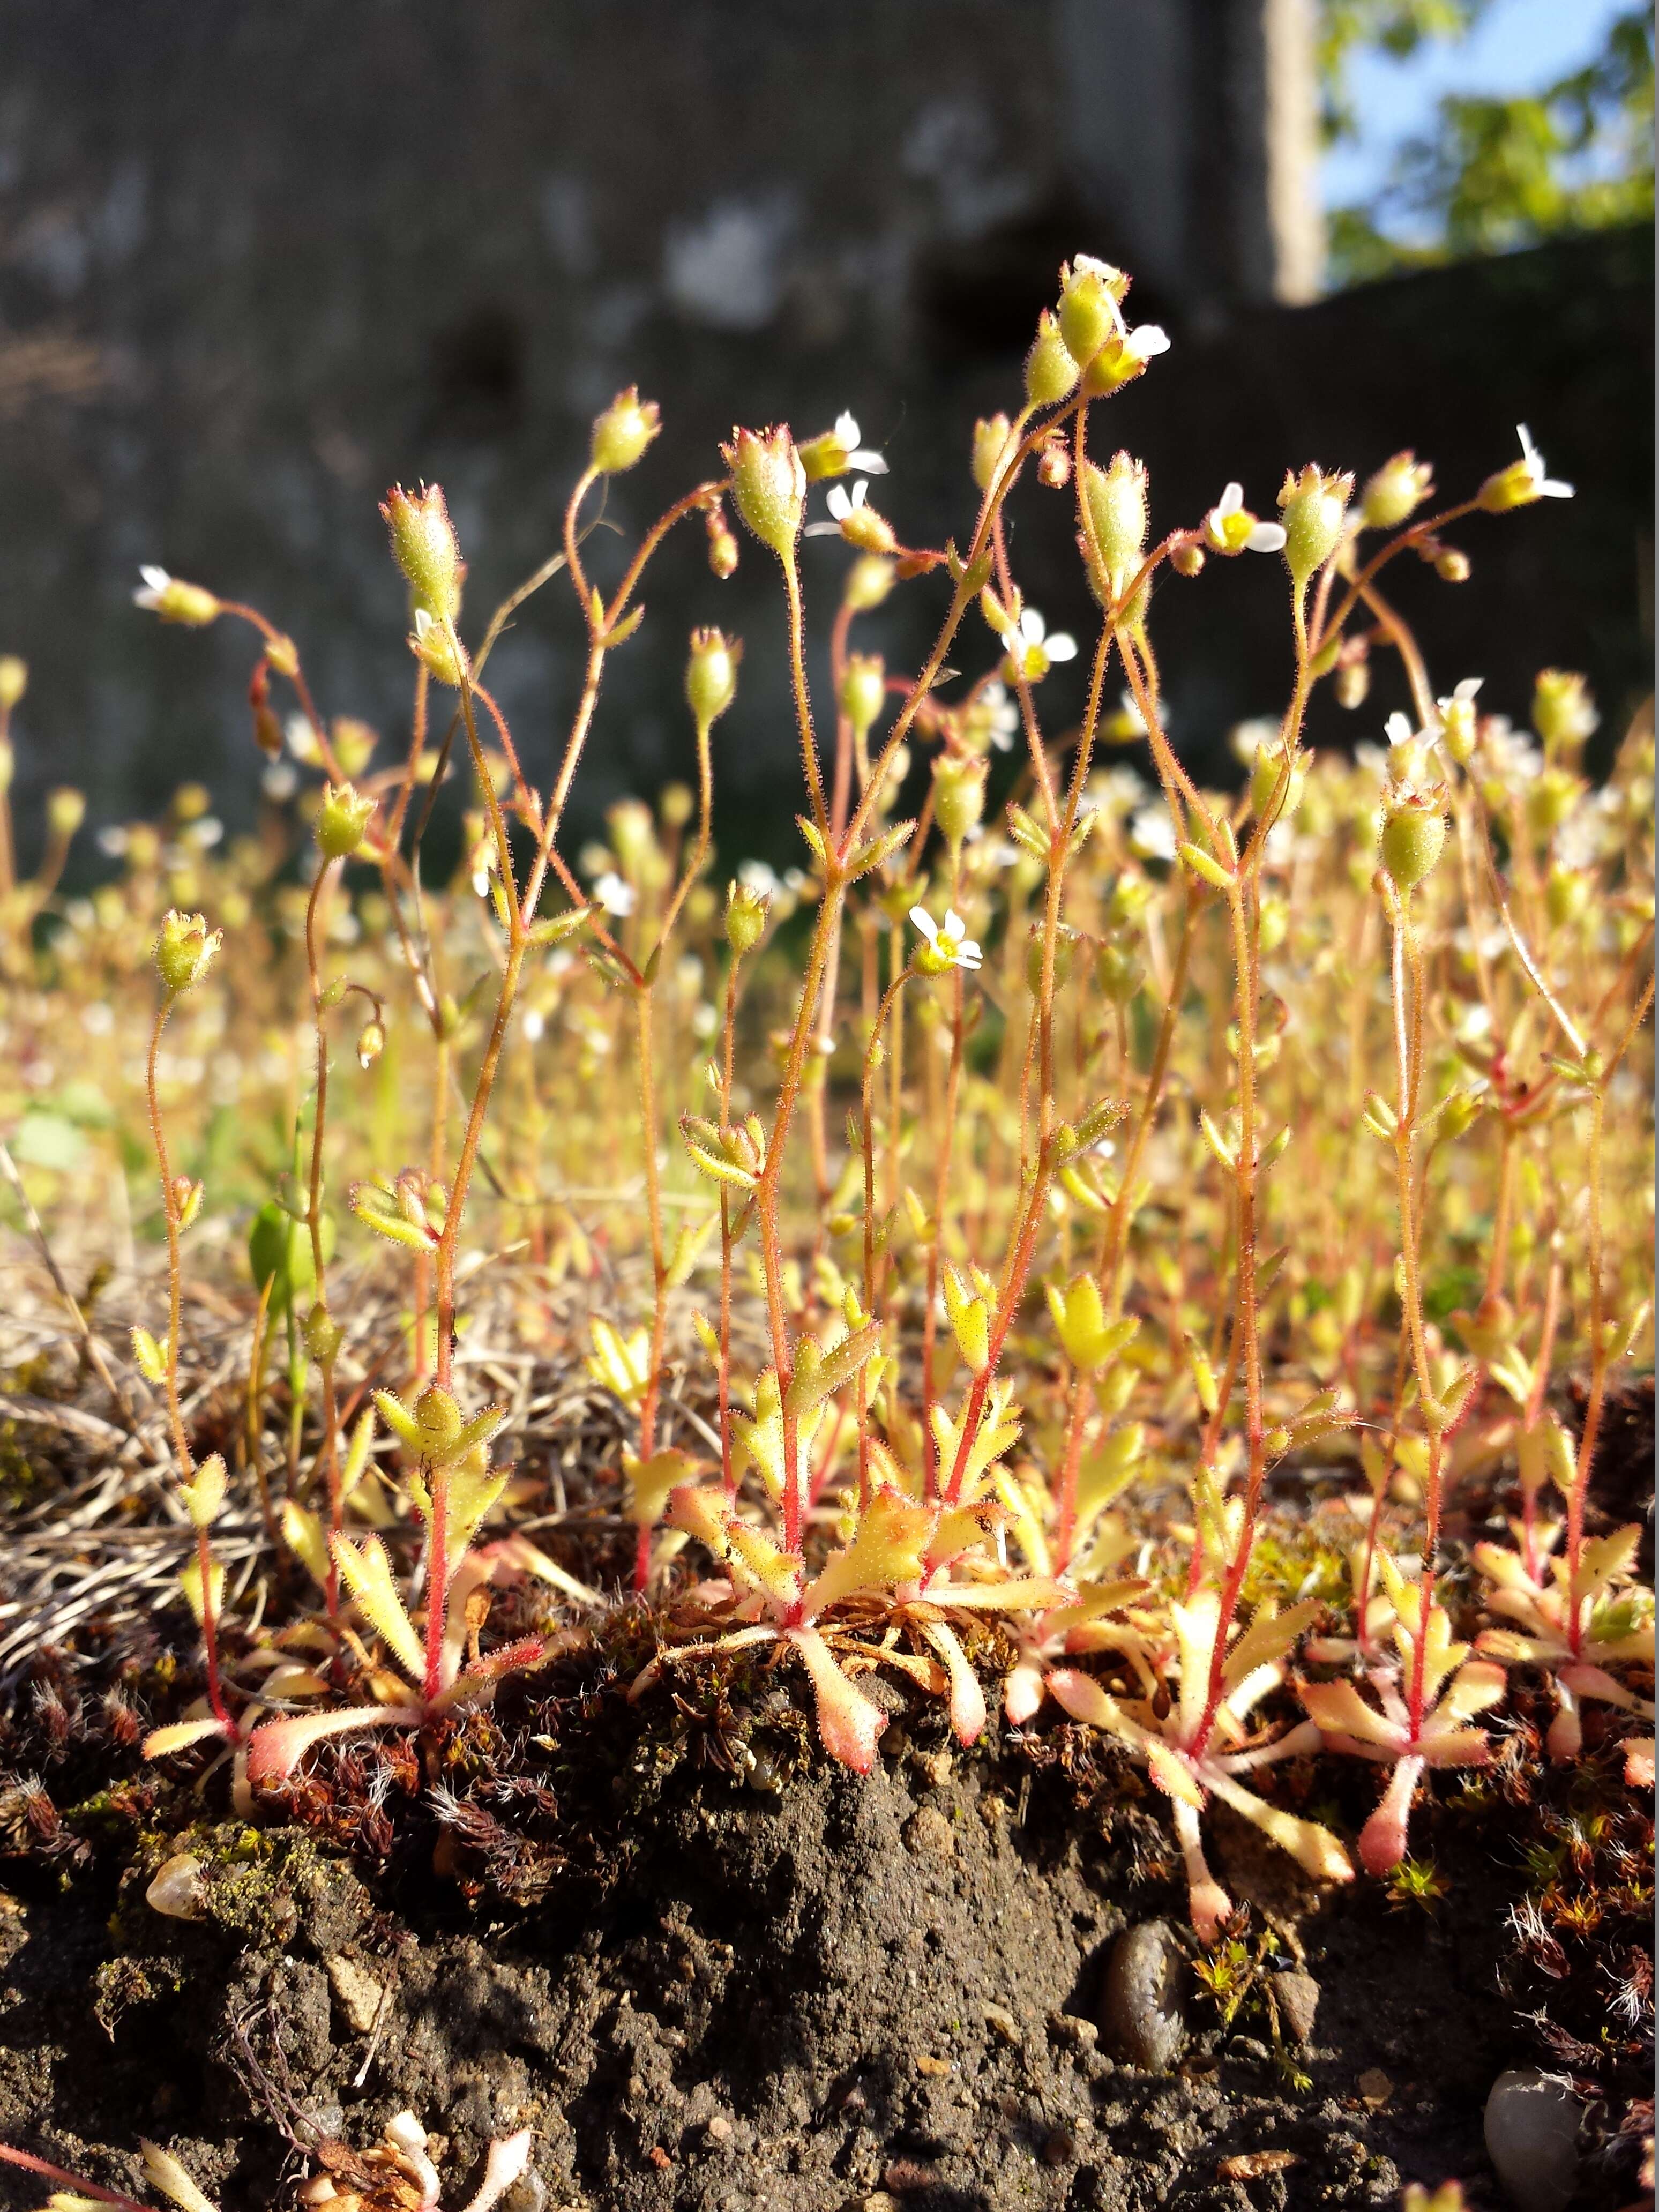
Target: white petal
925,923
1551,487
840,505
1529,451
1063,646
955,927
872,463
1467,688
1231,500
846,432
1397,730
1032,626
157,579
1266,538
969,954
861,492
1147,340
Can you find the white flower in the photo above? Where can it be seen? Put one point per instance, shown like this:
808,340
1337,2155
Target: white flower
534,1026
947,947
842,504
113,841
756,875
1227,535
615,894
1544,487
1151,833
858,456
280,782
157,581
1145,341
1031,649
1507,751
994,714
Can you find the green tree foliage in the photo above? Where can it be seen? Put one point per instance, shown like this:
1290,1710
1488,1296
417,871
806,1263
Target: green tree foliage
1494,174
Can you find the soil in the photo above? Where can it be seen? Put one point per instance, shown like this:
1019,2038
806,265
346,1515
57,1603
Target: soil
715,1973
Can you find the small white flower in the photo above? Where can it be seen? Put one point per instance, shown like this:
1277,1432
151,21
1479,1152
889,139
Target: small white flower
950,946
280,782
841,503
1032,650
615,894
858,456
1151,833
157,581
756,875
113,841
534,1026
1544,487
1146,341
1508,751
1262,538
996,713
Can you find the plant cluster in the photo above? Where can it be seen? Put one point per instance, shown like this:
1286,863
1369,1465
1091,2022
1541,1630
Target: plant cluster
1042,1183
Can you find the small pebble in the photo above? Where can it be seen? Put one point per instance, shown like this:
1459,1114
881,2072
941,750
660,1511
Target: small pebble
1297,1996
1532,2139
928,1833
177,1890
358,1993
1141,2020
716,2131
1072,2027
1002,2023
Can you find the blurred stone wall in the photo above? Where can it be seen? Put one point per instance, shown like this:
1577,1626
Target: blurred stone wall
259,260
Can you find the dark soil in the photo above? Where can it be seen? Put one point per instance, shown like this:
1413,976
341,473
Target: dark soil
799,1995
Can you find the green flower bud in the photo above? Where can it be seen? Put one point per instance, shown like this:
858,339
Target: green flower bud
1413,837
745,918
1566,895
675,805
621,433
1050,372
991,435
424,547
1116,499
868,582
864,691
959,797
439,651
1563,712
1119,974
13,681
1265,780
1090,293
341,821
371,1042
1551,797
1396,490
185,950
769,486
323,1334
1312,506
66,810
1274,922
711,675
1066,945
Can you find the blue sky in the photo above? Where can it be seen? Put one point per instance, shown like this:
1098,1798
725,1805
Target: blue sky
1519,45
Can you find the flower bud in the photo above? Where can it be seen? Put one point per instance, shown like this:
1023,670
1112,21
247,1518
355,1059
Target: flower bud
371,1042
711,676
13,681
869,580
1353,683
1413,834
1312,505
1566,895
1551,797
1396,490
66,810
185,950
723,554
1264,778
959,797
675,805
1451,566
1055,466
1187,560
768,485
991,434
621,433
1050,372
176,602
323,1334
424,547
1065,943
1563,712
439,651
1116,499
1090,293
341,821
864,691
1119,973
745,918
